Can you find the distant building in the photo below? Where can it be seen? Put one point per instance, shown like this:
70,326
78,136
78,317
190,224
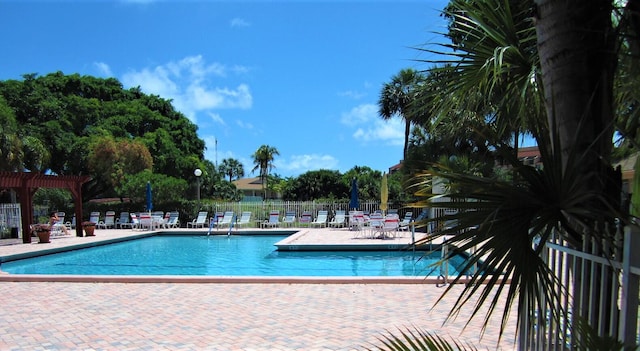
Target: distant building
530,155
251,189
395,168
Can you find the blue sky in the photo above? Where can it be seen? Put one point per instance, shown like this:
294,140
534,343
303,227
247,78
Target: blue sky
301,76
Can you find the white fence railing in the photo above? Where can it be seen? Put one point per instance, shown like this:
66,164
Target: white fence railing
597,285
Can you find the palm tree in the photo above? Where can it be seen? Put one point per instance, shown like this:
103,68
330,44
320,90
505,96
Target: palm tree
232,168
396,98
263,161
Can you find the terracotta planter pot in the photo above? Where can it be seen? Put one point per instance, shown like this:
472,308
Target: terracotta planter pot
89,230
44,236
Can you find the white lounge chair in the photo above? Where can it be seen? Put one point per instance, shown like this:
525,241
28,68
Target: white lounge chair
226,220
174,220
95,218
273,221
56,228
199,222
109,220
376,224
357,223
245,219
124,221
321,220
146,221
404,223
339,219
289,219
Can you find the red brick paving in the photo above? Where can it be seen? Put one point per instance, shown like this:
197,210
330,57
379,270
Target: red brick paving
188,316
222,316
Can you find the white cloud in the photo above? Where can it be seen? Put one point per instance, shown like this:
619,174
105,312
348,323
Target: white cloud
303,163
356,95
190,83
239,22
370,127
362,114
216,118
244,125
103,68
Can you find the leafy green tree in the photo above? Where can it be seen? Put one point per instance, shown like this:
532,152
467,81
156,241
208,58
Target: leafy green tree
368,183
11,153
232,168
263,161
111,160
318,184
164,187
63,116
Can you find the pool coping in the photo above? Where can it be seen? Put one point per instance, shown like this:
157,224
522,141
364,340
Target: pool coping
301,239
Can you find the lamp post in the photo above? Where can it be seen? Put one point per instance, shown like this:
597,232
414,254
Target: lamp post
198,172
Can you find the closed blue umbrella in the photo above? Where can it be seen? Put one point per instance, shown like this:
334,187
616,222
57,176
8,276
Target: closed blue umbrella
149,201
354,203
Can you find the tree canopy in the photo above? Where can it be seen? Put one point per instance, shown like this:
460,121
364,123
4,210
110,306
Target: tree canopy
63,124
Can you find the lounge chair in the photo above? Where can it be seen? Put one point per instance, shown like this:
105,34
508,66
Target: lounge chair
390,226
226,220
376,224
305,219
56,228
174,220
124,221
72,224
245,219
404,223
357,223
289,219
109,220
146,221
321,220
135,221
199,222
273,221
338,220
95,218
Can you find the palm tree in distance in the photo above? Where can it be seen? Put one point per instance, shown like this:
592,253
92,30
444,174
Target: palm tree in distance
396,98
232,168
263,161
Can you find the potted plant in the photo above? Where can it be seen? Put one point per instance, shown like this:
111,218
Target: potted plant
43,231
89,228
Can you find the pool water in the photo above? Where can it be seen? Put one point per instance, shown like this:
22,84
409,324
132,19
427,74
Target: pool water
244,255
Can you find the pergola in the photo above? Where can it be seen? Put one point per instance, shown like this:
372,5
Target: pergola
27,183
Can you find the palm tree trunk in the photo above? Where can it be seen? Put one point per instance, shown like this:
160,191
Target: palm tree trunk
577,59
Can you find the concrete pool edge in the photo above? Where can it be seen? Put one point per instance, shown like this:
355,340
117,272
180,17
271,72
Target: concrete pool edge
5,277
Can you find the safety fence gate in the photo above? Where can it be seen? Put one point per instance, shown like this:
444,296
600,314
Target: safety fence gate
10,218
598,287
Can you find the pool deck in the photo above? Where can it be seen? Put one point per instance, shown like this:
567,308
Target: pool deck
226,313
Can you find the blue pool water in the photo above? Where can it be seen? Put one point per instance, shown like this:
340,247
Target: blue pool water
221,255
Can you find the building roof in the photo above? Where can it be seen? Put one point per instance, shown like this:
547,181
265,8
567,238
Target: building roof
248,183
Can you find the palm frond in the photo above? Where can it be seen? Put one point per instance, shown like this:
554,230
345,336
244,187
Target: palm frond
417,339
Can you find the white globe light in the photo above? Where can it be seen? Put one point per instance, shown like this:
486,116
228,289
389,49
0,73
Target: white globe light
197,172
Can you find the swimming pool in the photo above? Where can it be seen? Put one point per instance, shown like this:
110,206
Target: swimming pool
243,255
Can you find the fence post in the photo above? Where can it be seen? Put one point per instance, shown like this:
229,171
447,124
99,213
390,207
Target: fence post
629,298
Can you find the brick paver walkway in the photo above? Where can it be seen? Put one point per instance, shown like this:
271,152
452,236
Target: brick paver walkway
223,316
